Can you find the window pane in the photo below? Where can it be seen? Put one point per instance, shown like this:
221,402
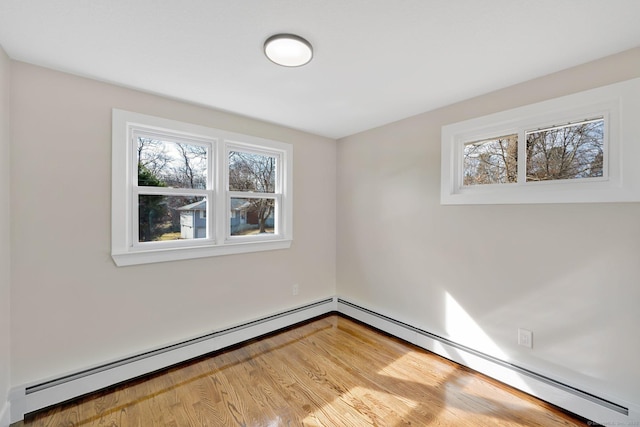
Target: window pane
572,151
252,172
491,161
251,216
171,164
162,218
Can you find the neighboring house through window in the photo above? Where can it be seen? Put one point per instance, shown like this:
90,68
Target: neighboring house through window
185,191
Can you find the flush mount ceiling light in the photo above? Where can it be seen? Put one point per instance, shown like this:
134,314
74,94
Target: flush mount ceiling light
288,50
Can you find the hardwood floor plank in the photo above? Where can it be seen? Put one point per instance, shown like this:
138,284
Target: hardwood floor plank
327,373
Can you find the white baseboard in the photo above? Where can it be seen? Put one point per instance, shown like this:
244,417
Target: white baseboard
601,409
31,397
5,416
592,406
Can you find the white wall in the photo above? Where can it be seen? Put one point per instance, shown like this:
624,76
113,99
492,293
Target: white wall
567,272
4,238
71,306
474,274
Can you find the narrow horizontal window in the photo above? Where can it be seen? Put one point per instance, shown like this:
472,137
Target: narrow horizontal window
563,150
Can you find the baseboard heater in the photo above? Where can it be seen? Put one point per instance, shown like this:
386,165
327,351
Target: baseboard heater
37,396
173,347
583,403
26,399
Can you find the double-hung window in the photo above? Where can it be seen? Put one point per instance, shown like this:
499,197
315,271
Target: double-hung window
254,192
578,148
184,191
173,189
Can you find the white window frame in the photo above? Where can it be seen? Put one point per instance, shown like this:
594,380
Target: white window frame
281,159
209,143
125,247
618,104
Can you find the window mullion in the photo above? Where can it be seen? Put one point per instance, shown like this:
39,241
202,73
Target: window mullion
220,198
522,157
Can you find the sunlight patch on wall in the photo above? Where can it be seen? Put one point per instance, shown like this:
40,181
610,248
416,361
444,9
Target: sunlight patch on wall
463,329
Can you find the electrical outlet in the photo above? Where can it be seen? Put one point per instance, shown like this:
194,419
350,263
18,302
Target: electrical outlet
295,289
525,338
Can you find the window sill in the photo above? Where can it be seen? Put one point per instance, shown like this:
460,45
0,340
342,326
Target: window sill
126,258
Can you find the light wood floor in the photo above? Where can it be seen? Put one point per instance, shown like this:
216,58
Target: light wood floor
329,372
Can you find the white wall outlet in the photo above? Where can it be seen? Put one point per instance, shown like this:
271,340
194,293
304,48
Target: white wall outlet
525,338
295,289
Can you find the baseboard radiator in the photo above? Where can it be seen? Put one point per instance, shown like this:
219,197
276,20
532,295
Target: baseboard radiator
601,409
33,397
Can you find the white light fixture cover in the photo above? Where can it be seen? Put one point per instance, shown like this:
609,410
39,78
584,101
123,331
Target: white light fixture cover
288,50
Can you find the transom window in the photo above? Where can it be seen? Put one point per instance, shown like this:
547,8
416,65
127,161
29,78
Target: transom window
184,191
573,150
567,149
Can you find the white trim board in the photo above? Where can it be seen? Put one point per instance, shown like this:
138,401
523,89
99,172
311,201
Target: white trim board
602,409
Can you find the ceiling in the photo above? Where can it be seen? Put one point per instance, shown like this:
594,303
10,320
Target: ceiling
375,61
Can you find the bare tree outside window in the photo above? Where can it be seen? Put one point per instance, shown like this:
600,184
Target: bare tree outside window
570,151
184,191
173,165
190,167
252,173
152,157
491,161
176,164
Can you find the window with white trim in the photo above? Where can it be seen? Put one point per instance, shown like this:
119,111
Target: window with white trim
254,192
183,191
564,150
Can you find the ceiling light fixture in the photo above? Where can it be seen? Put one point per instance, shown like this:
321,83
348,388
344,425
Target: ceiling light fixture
288,50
